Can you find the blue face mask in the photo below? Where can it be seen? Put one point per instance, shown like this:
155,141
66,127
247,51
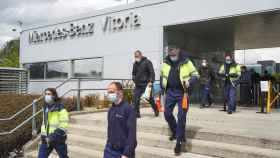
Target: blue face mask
112,97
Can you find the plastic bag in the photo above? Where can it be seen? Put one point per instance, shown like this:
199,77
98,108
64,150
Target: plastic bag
147,94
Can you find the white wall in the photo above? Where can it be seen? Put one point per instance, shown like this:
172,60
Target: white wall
117,48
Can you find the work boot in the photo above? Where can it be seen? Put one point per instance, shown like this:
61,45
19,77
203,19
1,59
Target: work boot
210,104
138,115
184,139
225,109
229,112
172,137
177,149
202,106
156,113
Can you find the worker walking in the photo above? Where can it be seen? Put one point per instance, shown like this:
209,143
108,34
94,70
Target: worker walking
230,73
177,74
143,75
121,132
206,79
54,126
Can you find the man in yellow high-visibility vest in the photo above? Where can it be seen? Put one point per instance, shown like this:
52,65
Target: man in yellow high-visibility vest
177,72
230,72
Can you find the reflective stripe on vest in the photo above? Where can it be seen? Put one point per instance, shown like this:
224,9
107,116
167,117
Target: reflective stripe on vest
187,70
56,119
233,70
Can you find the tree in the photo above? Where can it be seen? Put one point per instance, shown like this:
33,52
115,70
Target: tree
9,54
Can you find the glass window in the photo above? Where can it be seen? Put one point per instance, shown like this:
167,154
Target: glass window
36,70
57,70
88,67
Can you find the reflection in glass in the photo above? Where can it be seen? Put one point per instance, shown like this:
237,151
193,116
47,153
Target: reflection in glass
36,70
88,67
57,70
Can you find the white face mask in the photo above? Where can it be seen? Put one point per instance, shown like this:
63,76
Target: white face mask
49,99
228,61
112,97
174,58
137,59
204,64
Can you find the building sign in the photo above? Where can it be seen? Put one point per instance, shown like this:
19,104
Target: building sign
115,24
110,24
72,31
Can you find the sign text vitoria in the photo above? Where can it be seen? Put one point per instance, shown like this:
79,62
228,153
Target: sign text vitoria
109,24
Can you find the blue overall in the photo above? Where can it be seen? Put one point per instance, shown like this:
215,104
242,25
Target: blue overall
121,132
205,94
61,149
174,97
230,97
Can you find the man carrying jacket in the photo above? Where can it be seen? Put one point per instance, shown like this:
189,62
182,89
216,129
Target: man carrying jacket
177,73
143,75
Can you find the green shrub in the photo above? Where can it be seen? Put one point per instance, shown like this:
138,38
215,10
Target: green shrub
128,95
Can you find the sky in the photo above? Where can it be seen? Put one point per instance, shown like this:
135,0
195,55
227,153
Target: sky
12,12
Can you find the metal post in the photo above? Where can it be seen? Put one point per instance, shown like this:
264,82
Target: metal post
268,105
34,128
79,95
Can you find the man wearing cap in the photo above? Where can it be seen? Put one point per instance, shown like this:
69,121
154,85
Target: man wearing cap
177,72
230,72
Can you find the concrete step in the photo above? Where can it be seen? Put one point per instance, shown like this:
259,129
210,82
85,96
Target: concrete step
74,152
95,138
194,132
141,150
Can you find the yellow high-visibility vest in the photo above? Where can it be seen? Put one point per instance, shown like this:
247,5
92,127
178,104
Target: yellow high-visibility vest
186,70
234,69
57,118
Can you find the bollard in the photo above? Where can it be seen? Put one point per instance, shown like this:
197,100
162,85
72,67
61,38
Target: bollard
268,106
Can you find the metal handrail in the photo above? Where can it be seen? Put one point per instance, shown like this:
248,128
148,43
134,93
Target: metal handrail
22,124
20,111
29,105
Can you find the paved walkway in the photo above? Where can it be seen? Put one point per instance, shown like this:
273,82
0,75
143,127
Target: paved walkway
244,122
